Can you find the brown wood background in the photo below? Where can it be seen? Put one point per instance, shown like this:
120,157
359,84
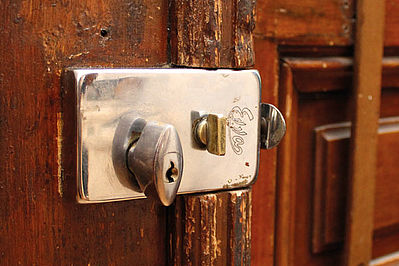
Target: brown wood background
303,52
40,222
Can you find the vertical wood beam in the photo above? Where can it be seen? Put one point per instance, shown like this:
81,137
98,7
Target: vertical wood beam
211,229
366,97
286,169
212,33
264,191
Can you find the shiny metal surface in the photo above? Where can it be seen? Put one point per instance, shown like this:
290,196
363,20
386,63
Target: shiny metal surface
167,96
148,157
156,161
210,131
127,133
272,126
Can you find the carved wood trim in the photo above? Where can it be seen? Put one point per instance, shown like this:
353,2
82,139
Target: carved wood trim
331,162
326,74
286,168
330,141
211,229
299,76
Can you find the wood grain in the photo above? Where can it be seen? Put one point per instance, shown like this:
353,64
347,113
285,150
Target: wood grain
211,229
264,190
329,74
330,179
369,45
313,25
309,22
212,34
316,107
286,157
331,163
391,34
39,224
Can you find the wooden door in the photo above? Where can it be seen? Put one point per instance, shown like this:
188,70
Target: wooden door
304,51
41,223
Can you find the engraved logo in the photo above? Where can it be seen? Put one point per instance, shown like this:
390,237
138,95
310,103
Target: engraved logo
236,122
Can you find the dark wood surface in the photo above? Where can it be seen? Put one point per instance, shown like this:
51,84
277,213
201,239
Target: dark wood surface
286,168
298,167
308,22
212,34
263,193
331,161
211,229
314,25
214,228
40,222
316,38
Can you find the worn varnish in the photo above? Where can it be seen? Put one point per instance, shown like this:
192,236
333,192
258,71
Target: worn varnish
39,224
212,34
211,229
40,221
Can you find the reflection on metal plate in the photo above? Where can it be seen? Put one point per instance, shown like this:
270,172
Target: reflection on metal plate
172,96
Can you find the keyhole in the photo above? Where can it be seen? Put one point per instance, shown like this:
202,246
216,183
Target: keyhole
172,173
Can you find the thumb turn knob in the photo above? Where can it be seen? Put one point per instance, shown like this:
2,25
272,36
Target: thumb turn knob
150,155
210,131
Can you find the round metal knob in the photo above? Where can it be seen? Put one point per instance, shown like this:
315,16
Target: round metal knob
272,126
150,155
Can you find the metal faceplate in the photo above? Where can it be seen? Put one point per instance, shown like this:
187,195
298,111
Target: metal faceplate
173,96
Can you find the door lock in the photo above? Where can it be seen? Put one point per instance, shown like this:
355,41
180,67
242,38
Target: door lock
135,127
148,156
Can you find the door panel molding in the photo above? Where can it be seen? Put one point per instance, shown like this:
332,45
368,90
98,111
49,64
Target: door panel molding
308,103
330,179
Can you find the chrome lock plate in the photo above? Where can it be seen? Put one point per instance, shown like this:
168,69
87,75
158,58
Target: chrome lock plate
215,114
